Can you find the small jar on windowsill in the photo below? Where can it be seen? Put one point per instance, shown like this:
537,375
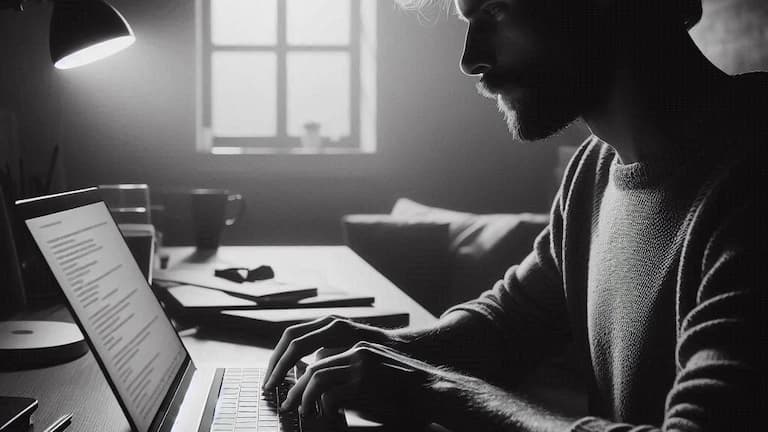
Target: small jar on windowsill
312,140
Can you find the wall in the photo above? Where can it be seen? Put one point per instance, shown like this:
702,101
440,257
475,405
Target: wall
130,118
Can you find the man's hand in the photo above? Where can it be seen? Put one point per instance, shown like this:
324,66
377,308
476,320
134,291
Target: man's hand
381,383
391,388
331,333
362,368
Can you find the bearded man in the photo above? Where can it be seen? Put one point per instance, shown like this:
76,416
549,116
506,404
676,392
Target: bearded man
651,265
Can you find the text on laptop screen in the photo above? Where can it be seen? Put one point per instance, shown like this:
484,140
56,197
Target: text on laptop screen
124,321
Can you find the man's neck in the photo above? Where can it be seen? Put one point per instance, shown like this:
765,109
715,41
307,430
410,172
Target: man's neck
659,102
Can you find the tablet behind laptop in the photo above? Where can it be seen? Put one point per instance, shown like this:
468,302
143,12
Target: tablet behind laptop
134,343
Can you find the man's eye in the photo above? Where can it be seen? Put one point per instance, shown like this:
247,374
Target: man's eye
496,10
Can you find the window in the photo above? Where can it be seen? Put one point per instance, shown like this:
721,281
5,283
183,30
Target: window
287,76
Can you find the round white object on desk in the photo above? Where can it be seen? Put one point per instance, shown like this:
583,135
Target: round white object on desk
32,344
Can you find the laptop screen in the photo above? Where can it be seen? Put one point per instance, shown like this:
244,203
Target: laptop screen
137,345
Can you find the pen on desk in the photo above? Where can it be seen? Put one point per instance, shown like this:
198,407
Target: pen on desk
60,424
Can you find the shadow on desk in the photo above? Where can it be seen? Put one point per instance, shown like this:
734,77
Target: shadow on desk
199,257
236,337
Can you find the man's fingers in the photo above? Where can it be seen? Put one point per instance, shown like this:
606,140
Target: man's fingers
304,345
362,356
342,359
328,352
326,380
403,360
290,334
341,378
296,394
338,397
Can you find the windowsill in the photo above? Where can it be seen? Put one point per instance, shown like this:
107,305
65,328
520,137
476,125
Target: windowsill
322,151
258,163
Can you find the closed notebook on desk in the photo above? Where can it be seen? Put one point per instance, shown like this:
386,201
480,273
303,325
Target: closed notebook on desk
266,290
275,321
187,301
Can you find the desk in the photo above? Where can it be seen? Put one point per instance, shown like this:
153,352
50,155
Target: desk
79,386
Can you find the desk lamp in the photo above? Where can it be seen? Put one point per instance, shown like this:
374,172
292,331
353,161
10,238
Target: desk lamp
82,31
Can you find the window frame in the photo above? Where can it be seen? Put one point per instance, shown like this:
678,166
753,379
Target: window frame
362,62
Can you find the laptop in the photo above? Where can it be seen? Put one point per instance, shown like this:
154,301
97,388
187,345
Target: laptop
143,359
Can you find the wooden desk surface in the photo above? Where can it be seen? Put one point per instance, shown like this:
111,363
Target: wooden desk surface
80,388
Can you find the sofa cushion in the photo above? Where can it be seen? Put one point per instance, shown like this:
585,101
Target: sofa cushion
413,254
482,247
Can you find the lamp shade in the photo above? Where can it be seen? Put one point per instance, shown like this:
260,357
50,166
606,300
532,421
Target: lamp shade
83,31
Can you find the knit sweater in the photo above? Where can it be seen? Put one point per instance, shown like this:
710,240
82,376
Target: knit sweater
655,271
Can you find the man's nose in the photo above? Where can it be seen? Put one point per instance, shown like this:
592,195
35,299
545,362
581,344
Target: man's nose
479,55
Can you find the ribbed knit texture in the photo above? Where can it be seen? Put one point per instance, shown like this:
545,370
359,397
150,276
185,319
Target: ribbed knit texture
656,272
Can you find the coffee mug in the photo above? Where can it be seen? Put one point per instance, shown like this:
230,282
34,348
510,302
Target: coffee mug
212,210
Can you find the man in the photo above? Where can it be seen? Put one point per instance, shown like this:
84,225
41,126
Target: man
651,264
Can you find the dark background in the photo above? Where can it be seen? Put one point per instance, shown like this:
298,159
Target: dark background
131,118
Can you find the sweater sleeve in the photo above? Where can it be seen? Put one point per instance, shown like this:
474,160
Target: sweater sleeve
721,349
527,307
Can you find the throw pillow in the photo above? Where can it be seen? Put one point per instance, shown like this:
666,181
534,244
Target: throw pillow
414,255
482,247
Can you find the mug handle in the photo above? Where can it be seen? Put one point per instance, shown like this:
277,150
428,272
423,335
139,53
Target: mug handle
231,199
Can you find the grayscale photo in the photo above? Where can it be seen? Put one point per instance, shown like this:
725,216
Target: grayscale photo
383,215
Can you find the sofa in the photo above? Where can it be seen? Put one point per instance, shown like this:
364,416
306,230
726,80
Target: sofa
441,257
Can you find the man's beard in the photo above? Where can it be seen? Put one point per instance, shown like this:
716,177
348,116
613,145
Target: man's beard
538,112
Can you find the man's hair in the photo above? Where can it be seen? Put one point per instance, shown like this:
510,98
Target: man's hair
421,4
689,10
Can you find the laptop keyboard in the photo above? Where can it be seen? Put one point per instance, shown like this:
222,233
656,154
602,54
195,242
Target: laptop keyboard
243,406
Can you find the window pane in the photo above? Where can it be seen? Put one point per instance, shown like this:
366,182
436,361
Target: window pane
244,94
244,22
318,22
318,92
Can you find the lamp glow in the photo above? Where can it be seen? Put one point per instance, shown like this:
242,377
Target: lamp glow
83,31
95,52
